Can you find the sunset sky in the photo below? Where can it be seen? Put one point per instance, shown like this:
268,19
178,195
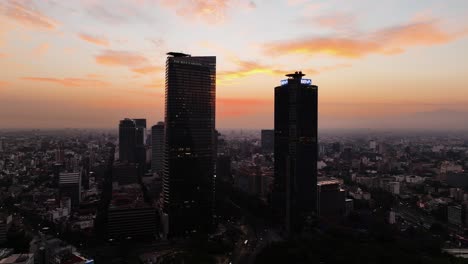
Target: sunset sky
89,63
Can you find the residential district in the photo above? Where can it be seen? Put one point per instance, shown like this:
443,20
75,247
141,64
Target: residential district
67,198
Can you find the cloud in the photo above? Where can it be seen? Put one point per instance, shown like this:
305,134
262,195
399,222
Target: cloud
97,40
148,69
94,75
25,13
3,55
247,68
296,2
134,61
69,82
41,49
3,84
123,12
121,58
210,11
387,41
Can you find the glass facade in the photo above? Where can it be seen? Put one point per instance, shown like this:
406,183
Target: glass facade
188,169
295,151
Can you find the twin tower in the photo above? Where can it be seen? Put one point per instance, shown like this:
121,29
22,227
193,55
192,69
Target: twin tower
190,152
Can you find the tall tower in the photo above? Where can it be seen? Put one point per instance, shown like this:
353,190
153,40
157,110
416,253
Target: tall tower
295,152
127,140
188,174
157,147
140,147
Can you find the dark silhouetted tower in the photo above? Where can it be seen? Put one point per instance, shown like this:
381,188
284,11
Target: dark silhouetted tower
295,151
157,147
188,175
140,147
268,140
127,140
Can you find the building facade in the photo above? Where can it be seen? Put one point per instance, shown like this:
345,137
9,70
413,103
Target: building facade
268,140
295,151
157,147
70,186
189,160
127,140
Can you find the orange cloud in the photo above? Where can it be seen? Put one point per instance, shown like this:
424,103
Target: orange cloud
121,58
41,49
387,41
3,84
97,40
148,69
27,15
247,68
2,55
210,11
94,76
69,82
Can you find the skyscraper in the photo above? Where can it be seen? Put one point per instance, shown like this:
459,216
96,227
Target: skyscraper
70,186
140,148
188,175
127,140
295,150
157,147
268,140
132,138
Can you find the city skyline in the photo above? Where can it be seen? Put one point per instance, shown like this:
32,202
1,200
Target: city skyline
88,64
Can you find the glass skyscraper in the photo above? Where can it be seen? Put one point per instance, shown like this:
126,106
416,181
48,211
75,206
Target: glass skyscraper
189,160
295,182
127,140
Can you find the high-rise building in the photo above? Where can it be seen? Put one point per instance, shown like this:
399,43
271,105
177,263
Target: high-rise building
188,174
60,154
125,173
295,176
127,140
70,186
157,147
268,140
140,147
132,139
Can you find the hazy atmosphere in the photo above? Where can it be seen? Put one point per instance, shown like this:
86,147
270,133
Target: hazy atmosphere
89,63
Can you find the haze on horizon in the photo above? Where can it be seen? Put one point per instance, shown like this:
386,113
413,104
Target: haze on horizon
378,64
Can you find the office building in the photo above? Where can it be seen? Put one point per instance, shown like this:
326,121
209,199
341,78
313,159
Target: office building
295,151
188,174
125,173
455,215
268,140
5,222
140,144
127,140
70,186
331,199
129,215
60,154
157,147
